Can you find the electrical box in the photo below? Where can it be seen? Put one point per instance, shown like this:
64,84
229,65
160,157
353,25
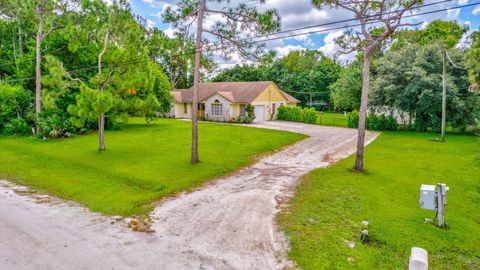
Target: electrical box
428,197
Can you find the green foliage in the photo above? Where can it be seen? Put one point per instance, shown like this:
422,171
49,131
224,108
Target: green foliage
90,104
352,119
446,33
126,180
297,114
309,115
410,80
143,85
299,71
346,91
373,121
14,105
331,203
246,73
289,113
54,125
250,110
17,126
472,61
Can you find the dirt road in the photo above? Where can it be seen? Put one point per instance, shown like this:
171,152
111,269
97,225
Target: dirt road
227,224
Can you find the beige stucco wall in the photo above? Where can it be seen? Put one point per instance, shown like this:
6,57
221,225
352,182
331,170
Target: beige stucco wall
271,95
179,110
235,110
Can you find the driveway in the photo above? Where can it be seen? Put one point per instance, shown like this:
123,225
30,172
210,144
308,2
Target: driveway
226,224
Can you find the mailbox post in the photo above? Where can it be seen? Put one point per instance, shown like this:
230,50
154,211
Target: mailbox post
435,198
442,201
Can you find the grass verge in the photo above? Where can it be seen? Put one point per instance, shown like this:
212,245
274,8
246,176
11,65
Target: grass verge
331,203
142,163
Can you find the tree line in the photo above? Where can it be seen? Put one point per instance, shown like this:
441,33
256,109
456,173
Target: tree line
79,65
71,66
406,77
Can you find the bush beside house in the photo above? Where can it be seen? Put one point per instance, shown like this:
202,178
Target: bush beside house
297,114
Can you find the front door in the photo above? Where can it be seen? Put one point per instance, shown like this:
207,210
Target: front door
201,110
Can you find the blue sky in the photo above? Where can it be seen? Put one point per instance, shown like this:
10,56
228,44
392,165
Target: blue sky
300,13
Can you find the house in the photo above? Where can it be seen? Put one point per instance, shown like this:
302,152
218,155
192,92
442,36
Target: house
225,101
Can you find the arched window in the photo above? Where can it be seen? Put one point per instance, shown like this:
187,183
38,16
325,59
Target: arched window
217,108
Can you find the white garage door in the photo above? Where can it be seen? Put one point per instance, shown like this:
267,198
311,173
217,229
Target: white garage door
259,113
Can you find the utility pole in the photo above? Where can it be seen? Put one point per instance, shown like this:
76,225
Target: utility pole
444,95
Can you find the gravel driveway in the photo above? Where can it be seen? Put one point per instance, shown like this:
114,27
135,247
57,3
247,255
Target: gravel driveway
226,224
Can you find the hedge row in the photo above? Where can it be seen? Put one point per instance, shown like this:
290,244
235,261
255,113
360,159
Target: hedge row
297,114
373,122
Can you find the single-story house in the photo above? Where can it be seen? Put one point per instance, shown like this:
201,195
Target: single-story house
225,101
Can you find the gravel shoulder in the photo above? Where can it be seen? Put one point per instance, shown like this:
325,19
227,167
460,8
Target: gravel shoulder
226,224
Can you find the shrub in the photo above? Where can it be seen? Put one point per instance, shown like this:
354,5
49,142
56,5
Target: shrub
352,119
53,125
18,126
391,123
373,122
309,115
14,104
250,109
290,113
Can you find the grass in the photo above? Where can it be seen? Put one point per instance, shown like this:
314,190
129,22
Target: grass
142,164
331,119
331,203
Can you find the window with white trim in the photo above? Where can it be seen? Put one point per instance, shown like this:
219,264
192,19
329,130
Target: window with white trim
185,108
217,108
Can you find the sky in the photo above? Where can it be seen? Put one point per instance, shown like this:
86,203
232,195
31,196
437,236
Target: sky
300,13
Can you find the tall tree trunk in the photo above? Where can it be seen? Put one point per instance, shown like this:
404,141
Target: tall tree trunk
363,111
38,59
101,132
196,79
101,117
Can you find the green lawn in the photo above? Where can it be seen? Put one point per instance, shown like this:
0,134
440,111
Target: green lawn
331,203
143,163
331,119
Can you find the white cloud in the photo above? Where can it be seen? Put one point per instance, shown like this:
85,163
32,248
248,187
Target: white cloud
453,14
282,51
331,49
306,40
476,10
157,3
301,13
150,24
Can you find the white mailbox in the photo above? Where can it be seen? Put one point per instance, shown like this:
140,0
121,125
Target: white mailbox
428,197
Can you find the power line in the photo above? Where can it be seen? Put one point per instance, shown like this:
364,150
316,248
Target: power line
346,20
324,24
352,25
264,40
450,59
